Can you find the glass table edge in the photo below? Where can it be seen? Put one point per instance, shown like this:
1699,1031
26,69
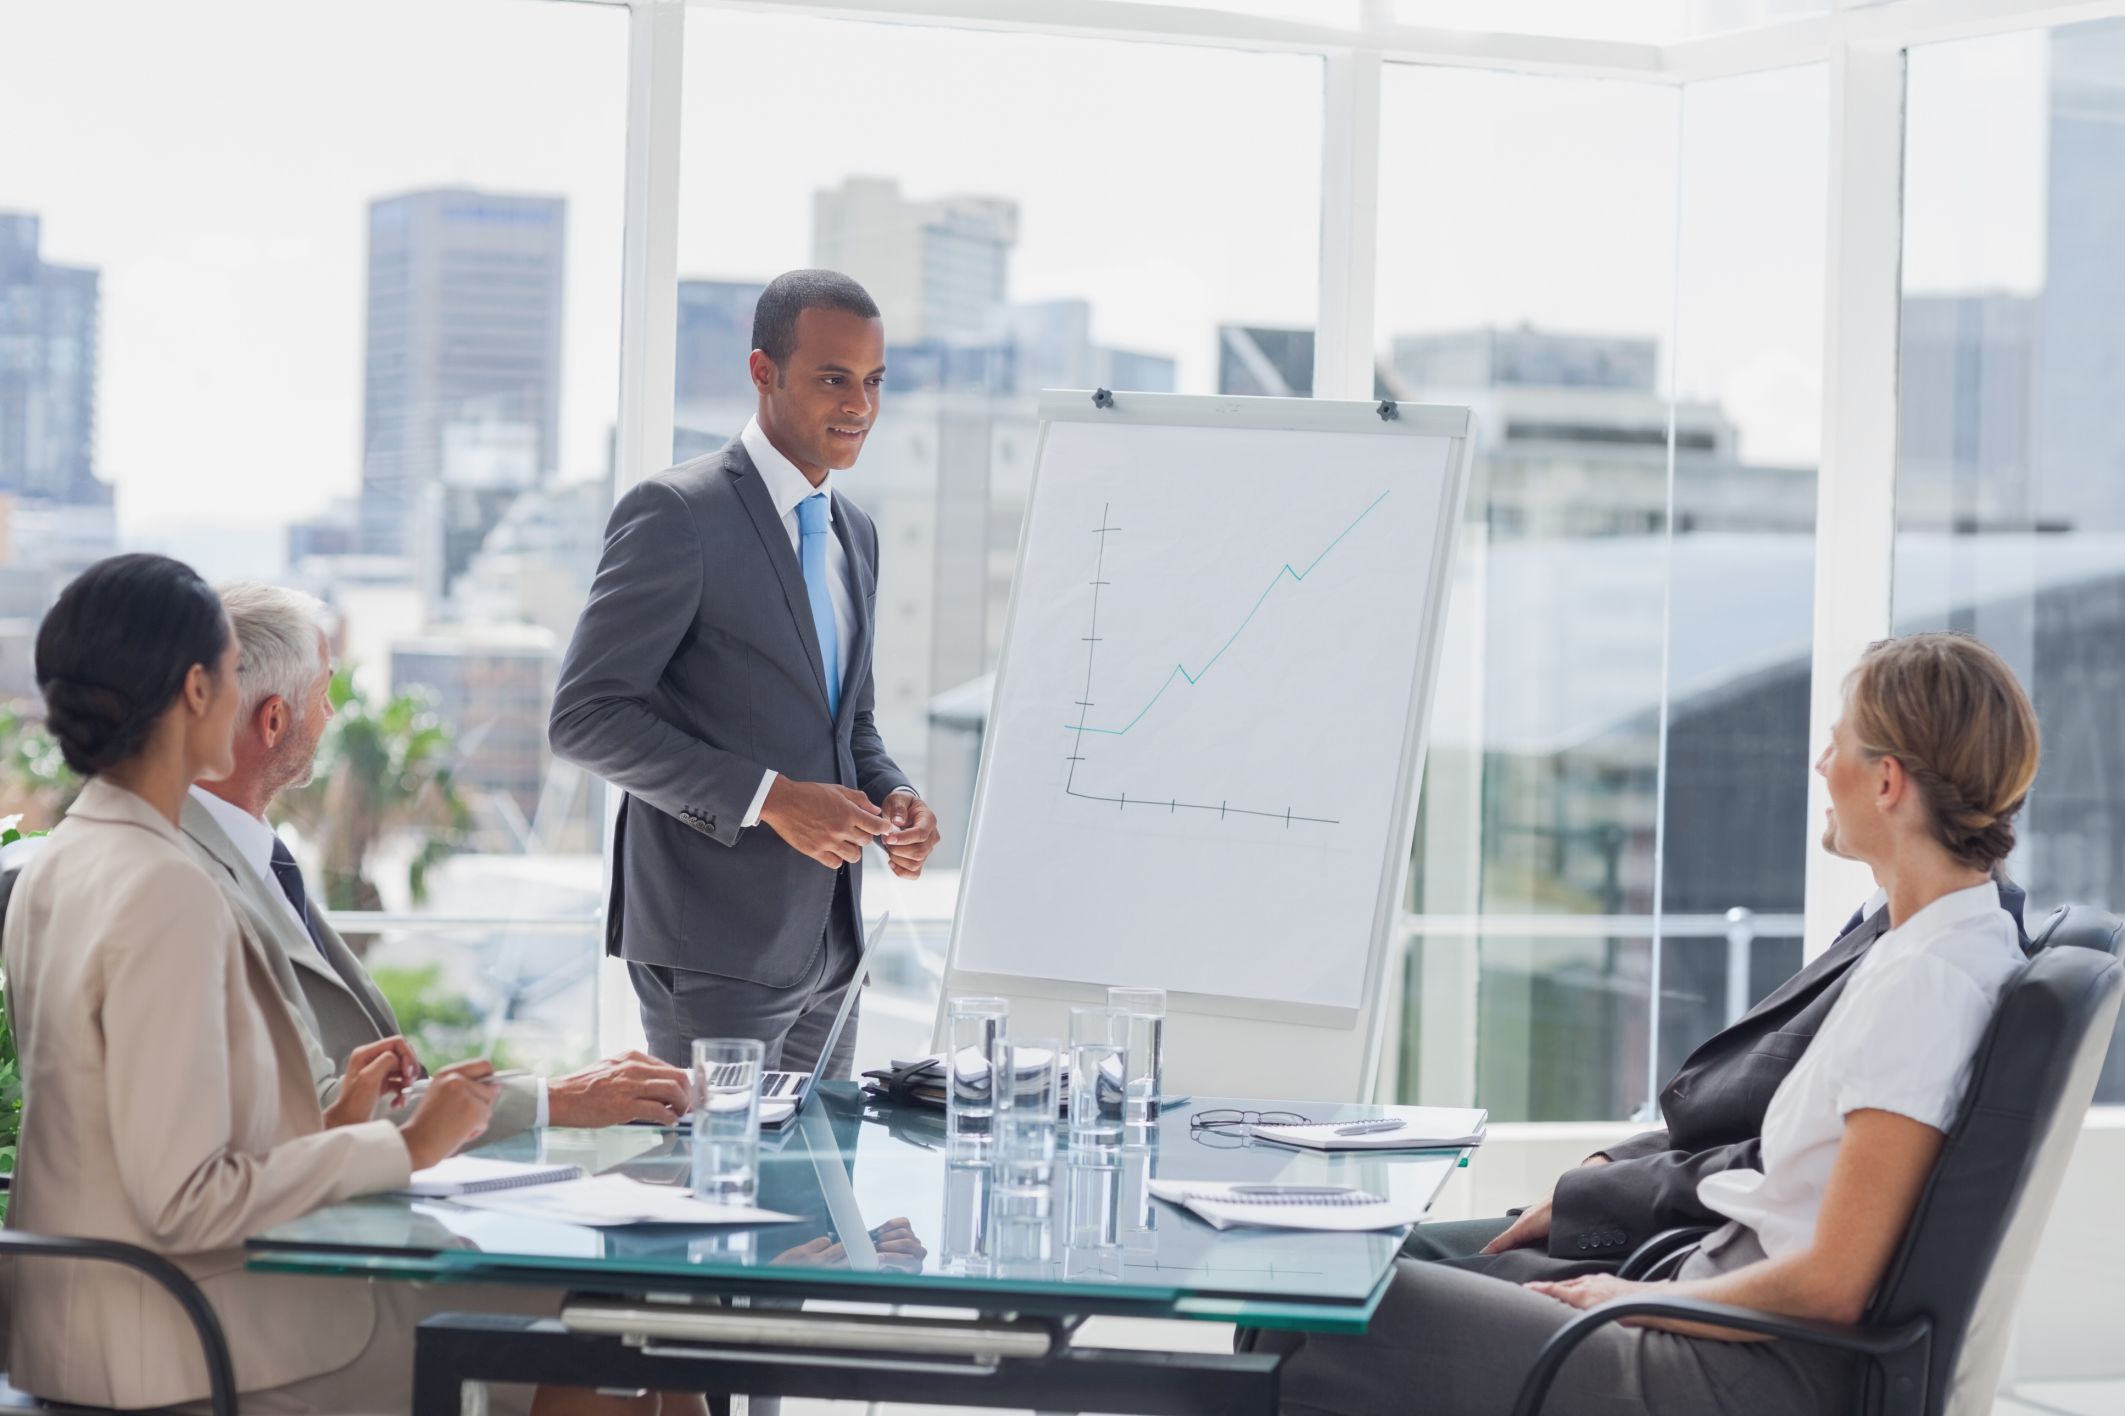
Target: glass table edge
1055,1298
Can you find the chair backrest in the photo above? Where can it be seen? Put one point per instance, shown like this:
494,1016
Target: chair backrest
1966,1254
2075,926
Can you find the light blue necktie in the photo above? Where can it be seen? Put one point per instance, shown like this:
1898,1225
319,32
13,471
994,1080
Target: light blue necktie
812,534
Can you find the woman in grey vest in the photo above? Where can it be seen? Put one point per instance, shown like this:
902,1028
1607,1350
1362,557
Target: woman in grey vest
1926,767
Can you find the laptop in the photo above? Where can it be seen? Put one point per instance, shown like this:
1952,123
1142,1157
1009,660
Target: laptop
783,1094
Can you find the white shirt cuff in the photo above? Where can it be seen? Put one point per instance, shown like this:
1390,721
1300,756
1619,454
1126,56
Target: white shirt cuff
752,813
539,1116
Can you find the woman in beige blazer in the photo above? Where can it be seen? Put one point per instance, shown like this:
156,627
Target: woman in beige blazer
168,1100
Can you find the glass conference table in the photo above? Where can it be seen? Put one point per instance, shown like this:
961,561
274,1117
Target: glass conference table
971,1301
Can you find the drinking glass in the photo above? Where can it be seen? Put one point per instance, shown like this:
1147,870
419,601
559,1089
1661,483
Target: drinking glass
1028,1097
975,1027
1146,1008
726,1107
1099,1078
1091,1185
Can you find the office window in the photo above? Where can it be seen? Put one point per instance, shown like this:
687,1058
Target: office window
1016,238
2010,491
1530,275
347,319
1748,381
1628,269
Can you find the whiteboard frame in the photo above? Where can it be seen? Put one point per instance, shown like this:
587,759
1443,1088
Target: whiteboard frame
1456,425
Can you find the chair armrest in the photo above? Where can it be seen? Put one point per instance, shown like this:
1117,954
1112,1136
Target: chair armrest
221,1375
1649,1260
1901,1351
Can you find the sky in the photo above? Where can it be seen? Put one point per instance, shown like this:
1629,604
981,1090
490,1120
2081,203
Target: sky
216,167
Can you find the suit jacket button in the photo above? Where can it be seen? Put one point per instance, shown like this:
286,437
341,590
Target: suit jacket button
1582,1244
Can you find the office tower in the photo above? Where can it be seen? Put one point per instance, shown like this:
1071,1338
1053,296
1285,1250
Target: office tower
1965,396
715,340
712,389
939,270
1492,358
461,404
1052,347
48,358
492,684
1265,361
2080,353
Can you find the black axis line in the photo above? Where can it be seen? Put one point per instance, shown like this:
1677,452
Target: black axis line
1084,707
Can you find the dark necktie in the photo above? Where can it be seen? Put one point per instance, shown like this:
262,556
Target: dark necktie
290,876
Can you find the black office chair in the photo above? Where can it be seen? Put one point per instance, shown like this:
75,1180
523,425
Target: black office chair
1936,1332
14,1244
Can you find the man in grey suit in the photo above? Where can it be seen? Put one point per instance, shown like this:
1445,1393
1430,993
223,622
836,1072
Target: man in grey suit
285,673
721,676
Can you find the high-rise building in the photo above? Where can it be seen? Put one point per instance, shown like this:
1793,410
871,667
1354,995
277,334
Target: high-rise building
1965,395
1492,358
2080,344
715,339
48,357
462,397
1269,361
1052,347
492,684
939,270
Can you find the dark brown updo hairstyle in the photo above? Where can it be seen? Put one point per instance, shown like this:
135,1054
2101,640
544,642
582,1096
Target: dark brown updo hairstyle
1950,710
114,650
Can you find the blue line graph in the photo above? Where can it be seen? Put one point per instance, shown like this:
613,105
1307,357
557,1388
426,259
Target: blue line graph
1180,670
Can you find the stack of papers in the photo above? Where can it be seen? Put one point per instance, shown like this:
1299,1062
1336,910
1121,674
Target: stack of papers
473,1175
604,1200
1421,1128
1329,1208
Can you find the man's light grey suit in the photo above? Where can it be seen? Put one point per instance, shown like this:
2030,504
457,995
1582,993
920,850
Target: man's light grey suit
333,998
694,669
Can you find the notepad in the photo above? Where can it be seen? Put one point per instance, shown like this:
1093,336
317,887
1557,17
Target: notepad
1329,1208
474,1175
1422,1128
605,1200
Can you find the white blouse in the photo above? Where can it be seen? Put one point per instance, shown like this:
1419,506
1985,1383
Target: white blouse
1902,1037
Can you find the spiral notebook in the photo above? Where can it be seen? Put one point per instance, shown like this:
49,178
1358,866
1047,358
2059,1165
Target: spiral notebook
474,1175
1330,1208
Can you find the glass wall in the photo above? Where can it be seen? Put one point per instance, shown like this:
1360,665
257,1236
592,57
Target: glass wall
1748,383
329,296
2010,490
1016,238
1527,264
1628,293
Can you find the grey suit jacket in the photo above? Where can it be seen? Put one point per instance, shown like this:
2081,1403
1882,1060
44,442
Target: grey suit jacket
694,669
331,995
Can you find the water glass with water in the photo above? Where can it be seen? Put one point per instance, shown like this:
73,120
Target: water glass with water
1028,1100
1146,1008
1099,1079
726,1110
974,1028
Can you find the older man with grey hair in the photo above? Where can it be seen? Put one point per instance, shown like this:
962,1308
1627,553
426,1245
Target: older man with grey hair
285,673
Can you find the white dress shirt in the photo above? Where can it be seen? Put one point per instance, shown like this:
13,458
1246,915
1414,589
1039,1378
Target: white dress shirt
1902,1037
787,486
254,838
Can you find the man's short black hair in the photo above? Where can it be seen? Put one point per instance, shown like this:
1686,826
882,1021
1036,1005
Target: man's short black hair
792,293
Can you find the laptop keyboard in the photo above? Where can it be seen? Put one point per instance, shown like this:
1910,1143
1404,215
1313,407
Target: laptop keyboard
773,1084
